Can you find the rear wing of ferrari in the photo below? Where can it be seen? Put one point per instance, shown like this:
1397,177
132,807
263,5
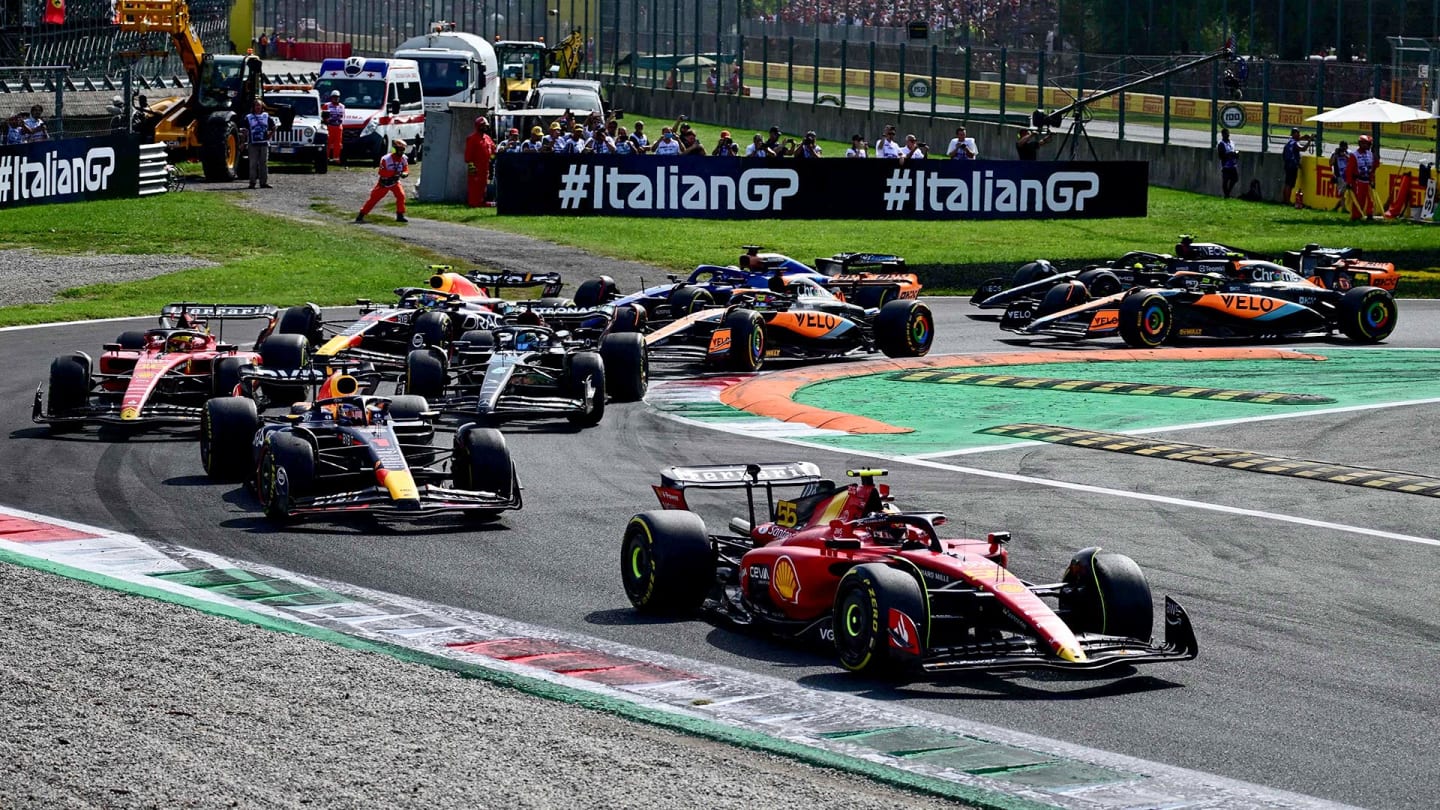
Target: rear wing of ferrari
550,283
173,316
674,481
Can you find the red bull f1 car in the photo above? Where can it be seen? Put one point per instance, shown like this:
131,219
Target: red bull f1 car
795,318
160,376
345,452
842,565
1256,300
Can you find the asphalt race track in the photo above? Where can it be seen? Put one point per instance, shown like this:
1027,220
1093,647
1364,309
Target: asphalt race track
1320,643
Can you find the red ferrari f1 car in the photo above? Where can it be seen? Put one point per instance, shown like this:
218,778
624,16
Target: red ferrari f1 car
159,376
844,566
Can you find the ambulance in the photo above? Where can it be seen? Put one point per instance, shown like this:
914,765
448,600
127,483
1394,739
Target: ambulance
383,101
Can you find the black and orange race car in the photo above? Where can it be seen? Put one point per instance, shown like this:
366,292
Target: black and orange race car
1341,268
844,567
1255,300
795,318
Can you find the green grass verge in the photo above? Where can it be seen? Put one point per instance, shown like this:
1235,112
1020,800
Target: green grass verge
262,258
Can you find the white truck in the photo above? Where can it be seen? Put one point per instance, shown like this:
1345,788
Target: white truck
454,66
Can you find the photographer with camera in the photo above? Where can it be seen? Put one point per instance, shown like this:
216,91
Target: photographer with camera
913,150
807,148
961,146
726,147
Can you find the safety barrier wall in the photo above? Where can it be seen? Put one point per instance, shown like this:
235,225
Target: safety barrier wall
69,170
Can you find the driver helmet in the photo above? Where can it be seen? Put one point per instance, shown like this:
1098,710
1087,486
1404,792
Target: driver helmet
527,340
349,413
180,343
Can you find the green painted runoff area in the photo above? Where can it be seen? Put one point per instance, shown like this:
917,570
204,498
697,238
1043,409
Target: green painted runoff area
946,417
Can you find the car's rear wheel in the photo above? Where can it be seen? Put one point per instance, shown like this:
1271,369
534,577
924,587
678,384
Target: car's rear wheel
689,299
666,562
482,463
586,371
302,320
1100,283
425,373
1106,593
1146,320
876,296
69,388
227,434
747,340
905,329
596,291
627,366
628,318
131,340
881,622
287,471
430,329
1367,314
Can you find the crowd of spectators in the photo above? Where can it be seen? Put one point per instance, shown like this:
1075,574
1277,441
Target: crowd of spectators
24,128
1013,22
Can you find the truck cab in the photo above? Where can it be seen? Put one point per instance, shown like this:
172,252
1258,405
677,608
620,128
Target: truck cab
454,67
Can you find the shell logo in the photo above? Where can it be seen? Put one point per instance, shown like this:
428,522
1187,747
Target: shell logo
130,412
786,580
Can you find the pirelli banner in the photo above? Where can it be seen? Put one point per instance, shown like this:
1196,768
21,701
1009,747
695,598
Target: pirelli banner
831,188
69,170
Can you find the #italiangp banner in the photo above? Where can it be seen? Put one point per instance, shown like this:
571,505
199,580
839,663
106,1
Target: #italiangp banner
69,170
737,188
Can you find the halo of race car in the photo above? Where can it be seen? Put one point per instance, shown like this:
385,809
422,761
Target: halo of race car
299,419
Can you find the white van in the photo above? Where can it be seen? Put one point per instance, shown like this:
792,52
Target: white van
383,101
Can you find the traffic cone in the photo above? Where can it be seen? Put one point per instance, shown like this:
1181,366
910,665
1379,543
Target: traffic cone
1299,197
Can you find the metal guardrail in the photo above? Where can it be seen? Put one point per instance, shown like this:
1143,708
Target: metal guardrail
154,171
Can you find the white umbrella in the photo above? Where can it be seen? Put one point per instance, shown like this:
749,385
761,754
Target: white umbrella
1371,111
695,61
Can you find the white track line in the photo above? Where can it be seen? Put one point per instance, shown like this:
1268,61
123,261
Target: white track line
1095,490
23,327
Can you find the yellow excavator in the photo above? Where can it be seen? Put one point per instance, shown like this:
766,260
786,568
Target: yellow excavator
209,124
523,63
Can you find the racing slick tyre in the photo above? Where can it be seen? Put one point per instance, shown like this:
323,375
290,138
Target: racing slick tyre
1031,272
628,318
131,340
304,320
1146,320
747,340
219,147
880,621
1100,283
1106,593
477,341
482,463
987,288
1367,314
688,299
595,291
430,329
586,369
287,470
1061,297
875,297
225,375
425,373
905,329
284,353
227,435
69,388
415,441
666,562
627,366
408,407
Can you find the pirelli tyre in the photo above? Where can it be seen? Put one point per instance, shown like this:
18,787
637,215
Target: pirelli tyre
482,463
1100,283
69,388
227,436
430,329
1031,272
747,340
875,296
477,341
627,366
666,562
881,622
1106,593
688,299
284,353
585,381
425,373
219,147
1062,296
596,291
287,472
628,318
225,375
1367,314
1146,320
302,320
131,340
905,329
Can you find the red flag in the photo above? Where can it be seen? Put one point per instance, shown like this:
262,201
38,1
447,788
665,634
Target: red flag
55,12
